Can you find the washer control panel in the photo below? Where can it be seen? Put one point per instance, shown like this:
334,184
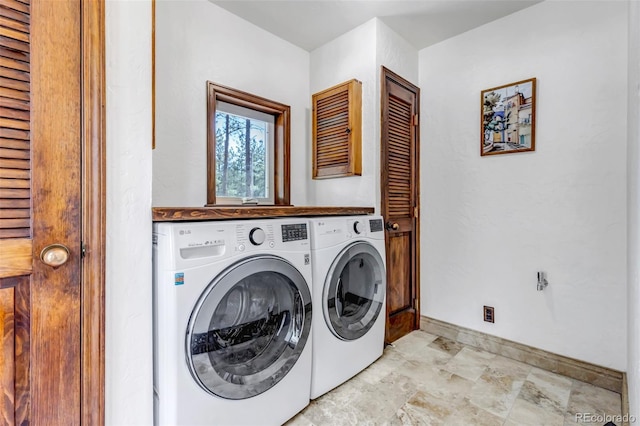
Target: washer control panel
294,232
255,235
188,244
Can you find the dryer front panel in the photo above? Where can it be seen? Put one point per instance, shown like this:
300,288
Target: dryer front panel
354,291
249,327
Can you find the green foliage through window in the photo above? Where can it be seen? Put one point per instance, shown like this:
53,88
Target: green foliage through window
242,160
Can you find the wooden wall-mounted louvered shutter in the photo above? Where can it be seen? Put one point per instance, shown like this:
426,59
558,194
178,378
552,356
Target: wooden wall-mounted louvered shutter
15,151
337,131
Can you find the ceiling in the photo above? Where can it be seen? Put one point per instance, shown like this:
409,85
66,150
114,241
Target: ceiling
312,23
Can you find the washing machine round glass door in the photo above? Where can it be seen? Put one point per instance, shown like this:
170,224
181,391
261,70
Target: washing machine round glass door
249,327
354,291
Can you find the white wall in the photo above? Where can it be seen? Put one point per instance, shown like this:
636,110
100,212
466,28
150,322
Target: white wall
576,189
128,352
352,55
359,54
193,46
633,212
489,223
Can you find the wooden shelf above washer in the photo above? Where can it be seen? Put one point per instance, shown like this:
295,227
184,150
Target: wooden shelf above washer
176,214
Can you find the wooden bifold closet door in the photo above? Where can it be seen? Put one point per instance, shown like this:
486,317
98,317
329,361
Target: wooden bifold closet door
40,212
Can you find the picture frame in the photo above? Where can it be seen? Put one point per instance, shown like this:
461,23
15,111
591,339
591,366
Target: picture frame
508,118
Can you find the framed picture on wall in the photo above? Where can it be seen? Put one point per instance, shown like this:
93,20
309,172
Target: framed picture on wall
508,117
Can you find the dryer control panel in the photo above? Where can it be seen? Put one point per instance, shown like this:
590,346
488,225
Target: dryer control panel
375,225
294,232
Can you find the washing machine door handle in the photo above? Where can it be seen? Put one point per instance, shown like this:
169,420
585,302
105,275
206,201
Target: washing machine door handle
338,296
298,320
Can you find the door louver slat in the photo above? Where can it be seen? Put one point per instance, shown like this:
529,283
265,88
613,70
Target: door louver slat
14,84
17,18
16,75
10,53
15,119
15,5
337,130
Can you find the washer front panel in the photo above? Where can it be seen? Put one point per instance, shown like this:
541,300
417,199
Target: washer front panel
354,291
249,327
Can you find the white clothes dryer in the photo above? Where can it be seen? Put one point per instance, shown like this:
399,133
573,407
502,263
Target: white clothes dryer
349,287
232,322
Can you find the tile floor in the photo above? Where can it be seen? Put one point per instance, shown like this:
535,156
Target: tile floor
428,380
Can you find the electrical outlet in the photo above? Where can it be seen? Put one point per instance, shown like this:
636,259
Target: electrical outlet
489,315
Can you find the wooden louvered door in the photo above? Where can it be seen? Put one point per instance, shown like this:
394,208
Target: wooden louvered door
399,202
40,170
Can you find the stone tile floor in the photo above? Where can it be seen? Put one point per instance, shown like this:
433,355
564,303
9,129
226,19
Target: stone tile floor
428,380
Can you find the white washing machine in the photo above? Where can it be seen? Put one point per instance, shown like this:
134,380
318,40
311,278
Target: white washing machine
232,322
349,287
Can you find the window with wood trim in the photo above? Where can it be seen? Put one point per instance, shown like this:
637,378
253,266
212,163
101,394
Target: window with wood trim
247,148
337,131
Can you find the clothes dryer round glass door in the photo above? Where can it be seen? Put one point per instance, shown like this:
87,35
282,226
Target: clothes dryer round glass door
354,291
249,327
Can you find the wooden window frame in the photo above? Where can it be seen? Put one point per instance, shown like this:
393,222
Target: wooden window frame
351,139
282,127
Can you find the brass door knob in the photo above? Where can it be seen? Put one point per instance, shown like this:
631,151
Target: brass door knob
54,255
392,226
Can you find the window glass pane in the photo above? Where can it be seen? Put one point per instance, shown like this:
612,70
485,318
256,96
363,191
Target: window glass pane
244,141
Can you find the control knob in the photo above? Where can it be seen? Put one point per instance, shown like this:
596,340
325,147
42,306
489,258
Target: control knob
358,227
257,236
